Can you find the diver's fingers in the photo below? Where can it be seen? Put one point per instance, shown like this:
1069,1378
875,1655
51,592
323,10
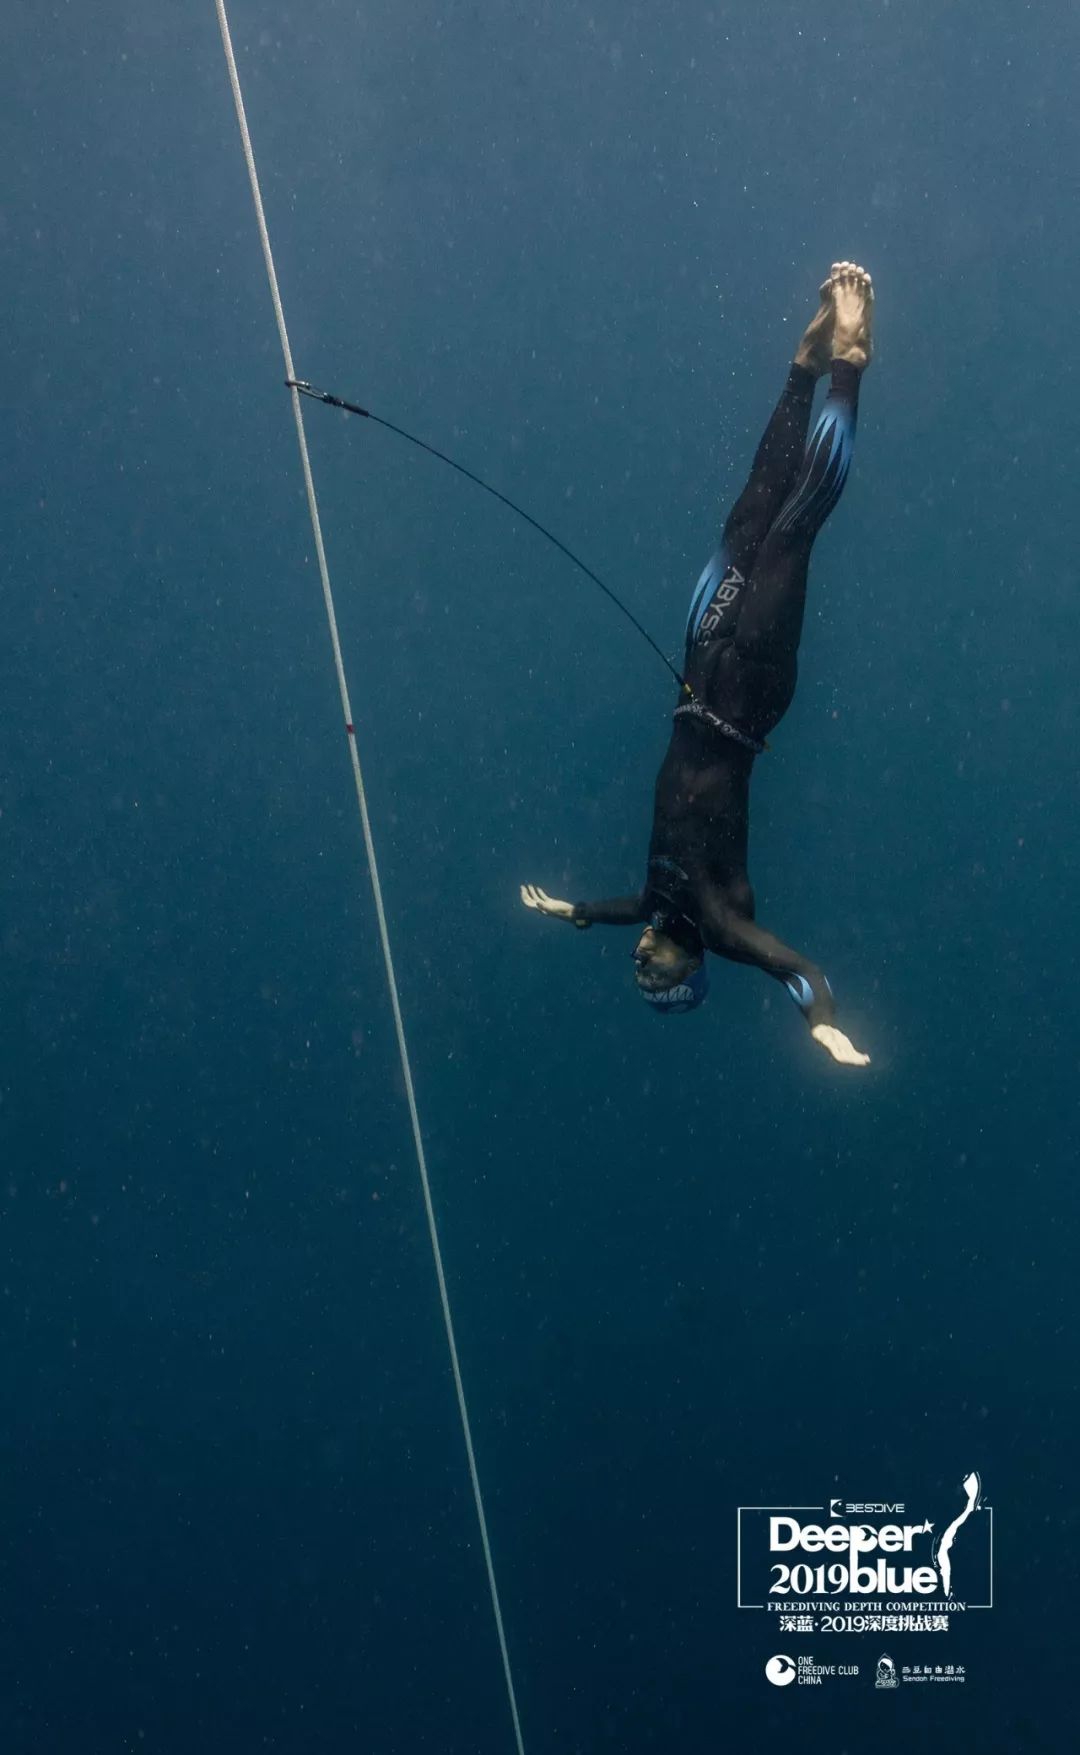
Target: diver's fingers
842,1049
851,1056
534,897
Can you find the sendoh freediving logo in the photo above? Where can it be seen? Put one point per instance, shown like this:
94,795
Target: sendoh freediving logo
886,1676
825,1567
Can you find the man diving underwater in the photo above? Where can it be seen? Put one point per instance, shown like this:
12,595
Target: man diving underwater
740,667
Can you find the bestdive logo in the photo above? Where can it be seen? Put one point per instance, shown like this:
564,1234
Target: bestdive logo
868,1565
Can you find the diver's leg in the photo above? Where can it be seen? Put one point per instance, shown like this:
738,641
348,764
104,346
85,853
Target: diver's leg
715,605
771,616
716,600
770,623
778,456
752,680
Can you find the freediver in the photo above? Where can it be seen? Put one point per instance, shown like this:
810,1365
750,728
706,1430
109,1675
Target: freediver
740,667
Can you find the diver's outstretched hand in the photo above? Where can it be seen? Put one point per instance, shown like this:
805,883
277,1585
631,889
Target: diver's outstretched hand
545,904
839,1046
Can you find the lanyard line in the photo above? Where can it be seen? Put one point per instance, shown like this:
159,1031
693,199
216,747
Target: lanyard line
376,886
332,401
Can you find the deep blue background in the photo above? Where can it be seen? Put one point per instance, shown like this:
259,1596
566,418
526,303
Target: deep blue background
693,1265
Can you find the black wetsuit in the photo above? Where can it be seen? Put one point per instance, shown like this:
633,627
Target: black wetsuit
742,642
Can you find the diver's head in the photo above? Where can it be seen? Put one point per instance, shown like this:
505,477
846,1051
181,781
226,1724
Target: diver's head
669,977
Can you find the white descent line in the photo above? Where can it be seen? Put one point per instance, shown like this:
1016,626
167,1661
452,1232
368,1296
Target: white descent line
369,845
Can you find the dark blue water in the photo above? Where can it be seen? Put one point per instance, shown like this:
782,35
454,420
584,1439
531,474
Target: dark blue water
693,1265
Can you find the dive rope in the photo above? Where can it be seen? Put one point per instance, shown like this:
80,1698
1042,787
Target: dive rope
373,869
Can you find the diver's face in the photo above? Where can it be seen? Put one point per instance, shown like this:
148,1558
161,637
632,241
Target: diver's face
660,962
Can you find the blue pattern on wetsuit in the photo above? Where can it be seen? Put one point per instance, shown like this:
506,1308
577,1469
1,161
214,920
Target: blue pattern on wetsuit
802,992
718,588
828,459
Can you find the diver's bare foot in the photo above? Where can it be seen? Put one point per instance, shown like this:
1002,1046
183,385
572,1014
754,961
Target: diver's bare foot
815,350
853,299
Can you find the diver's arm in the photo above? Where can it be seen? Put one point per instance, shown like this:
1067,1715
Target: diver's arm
620,911
616,911
744,941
